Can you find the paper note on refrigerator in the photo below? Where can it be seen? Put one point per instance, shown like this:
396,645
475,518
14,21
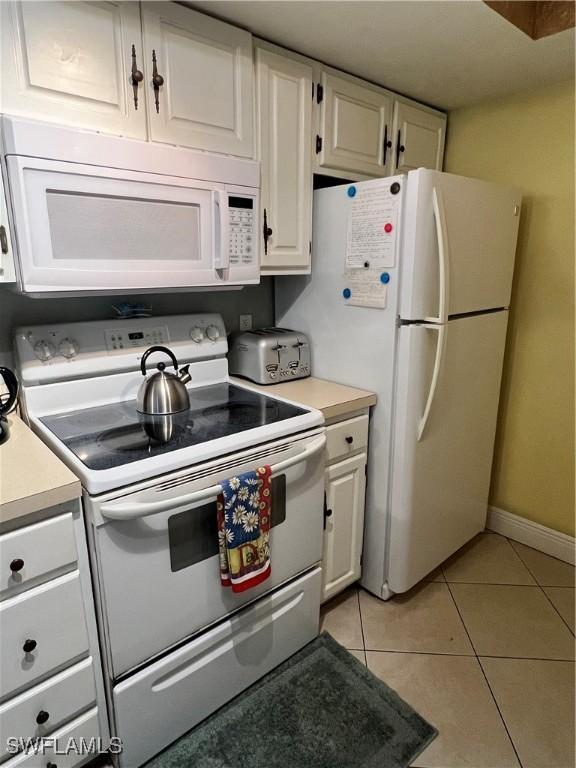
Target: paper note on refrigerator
372,229
365,289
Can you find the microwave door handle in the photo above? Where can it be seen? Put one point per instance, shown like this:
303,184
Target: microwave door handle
133,510
221,247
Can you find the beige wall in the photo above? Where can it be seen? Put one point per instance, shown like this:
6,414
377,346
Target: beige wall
528,141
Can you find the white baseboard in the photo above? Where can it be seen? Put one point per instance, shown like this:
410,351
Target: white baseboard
534,535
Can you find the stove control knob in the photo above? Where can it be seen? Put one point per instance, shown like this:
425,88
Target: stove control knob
44,350
213,332
68,348
196,334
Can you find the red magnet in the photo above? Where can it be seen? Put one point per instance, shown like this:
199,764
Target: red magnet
388,228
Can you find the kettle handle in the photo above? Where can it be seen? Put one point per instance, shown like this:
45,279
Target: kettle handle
12,384
149,351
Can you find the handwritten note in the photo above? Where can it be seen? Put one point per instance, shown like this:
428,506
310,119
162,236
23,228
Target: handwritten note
366,288
372,229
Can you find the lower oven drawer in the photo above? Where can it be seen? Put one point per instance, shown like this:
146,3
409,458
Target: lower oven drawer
40,710
159,704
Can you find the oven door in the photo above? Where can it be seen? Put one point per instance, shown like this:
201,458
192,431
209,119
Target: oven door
84,228
156,549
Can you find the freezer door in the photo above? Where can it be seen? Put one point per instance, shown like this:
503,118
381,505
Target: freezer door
447,391
458,247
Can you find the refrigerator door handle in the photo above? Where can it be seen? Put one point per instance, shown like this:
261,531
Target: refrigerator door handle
443,257
440,344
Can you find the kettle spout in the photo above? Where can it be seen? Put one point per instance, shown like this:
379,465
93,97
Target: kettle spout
184,374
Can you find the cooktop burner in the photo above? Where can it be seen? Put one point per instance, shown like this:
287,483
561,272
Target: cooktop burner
107,436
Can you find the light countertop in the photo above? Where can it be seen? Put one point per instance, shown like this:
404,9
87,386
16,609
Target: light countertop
32,478
332,399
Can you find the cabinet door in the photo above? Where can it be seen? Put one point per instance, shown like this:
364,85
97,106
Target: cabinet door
419,138
355,126
345,491
6,254
205,99
284,114
70,63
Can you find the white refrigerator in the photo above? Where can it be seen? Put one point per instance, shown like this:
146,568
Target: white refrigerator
408,296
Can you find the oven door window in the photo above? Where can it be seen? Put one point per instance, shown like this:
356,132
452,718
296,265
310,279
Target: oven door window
193,534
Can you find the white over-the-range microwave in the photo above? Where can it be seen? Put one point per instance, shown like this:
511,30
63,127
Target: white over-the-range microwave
96,214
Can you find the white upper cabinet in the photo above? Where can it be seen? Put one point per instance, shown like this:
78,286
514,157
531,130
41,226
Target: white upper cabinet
418,138
284,131
6,255
355,126
71,63
200,87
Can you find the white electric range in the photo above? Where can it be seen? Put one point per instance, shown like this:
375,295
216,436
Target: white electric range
176,644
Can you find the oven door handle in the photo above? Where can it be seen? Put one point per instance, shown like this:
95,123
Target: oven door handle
132,510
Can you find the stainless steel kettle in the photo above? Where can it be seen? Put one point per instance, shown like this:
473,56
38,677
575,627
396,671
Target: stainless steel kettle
163,392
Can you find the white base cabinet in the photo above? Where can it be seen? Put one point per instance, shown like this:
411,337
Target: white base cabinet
345,488
51,682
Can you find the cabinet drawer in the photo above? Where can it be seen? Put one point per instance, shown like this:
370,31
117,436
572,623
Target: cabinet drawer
71,736
29,555
346,437
197,679
61,698
52,618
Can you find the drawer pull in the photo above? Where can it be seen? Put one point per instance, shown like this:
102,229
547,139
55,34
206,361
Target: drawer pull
16,565
51,765
29,646
349,439
42,717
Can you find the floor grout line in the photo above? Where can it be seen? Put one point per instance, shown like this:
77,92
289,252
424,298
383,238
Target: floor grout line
485,678
541,586
361,625
464,655
490,583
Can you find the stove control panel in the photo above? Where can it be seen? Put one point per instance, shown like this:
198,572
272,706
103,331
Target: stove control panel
120,338
48,353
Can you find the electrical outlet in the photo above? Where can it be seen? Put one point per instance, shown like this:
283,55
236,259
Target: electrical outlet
245,322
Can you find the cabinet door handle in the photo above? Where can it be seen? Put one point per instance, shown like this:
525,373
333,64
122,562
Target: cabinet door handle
42,717
349,439
399,148
136,77
266,232
16,565
3,239
386,146
29,646
157,81
327,512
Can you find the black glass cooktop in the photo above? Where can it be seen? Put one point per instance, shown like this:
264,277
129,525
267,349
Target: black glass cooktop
107,436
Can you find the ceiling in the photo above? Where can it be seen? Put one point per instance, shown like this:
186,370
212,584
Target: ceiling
446,53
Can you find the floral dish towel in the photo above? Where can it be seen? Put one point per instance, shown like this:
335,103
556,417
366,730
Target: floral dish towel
243,512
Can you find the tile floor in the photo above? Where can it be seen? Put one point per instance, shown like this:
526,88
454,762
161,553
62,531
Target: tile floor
484,649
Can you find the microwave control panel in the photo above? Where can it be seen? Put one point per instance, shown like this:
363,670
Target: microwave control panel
241,230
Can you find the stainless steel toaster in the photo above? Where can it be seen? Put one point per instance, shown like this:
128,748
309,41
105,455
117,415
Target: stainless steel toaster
269,355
